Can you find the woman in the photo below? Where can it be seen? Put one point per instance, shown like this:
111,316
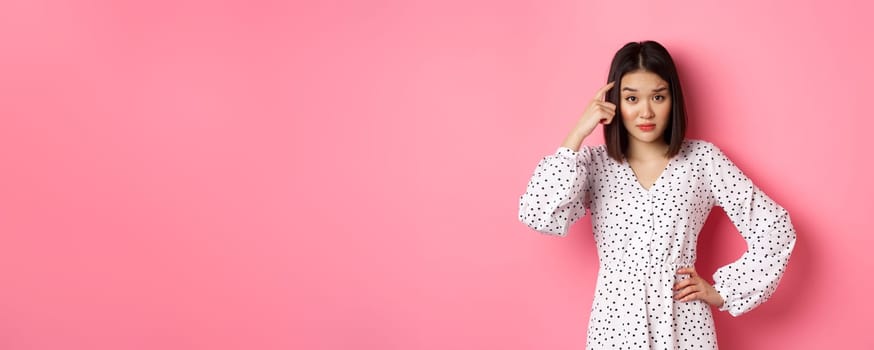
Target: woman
649,191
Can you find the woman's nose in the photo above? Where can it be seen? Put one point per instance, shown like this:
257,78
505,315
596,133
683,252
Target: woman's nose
647,112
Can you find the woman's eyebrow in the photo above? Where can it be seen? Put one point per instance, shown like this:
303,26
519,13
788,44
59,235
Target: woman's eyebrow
663,88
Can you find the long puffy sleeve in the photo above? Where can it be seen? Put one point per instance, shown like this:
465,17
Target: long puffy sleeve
555,197
764,225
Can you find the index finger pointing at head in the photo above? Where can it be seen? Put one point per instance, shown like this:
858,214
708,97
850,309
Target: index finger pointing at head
603,91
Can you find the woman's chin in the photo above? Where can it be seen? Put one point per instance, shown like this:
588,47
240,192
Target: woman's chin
647,137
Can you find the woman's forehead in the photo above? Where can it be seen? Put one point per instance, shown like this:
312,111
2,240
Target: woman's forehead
642,80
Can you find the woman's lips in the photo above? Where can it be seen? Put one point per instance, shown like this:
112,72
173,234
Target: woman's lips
646,127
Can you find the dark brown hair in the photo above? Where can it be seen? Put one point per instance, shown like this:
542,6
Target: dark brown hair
652,57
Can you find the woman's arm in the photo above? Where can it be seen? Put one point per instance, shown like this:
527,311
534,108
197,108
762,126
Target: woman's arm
597,112
555,196
764,225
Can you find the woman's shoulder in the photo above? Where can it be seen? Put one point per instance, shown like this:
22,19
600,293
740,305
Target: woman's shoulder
585,149
698,148
602,148
597,152
696,144
594,154
699,152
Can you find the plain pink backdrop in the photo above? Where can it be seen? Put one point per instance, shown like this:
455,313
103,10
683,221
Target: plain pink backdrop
345,175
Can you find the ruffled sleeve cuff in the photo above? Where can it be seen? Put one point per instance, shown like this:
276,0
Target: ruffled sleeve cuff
566,152
726,298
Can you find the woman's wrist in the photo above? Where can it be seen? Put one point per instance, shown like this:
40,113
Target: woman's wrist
574,139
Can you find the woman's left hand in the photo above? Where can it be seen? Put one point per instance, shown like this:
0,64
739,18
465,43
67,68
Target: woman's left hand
696,288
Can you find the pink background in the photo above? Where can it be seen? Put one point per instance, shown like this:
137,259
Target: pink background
345,175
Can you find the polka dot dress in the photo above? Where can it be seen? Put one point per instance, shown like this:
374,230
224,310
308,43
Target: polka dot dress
644,236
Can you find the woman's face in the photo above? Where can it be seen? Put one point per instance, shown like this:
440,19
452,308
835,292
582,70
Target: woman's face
645,102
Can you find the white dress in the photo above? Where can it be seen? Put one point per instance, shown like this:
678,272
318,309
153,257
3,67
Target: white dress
644,236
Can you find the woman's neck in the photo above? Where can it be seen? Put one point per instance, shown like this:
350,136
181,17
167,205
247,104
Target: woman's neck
646,150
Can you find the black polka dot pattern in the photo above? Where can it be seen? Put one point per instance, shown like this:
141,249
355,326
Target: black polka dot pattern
644,236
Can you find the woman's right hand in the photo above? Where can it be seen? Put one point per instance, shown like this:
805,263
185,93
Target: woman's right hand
597,112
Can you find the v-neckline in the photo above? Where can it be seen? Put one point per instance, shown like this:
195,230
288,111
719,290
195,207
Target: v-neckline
655,183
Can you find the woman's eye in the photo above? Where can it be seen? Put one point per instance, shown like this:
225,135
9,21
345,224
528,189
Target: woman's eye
631,98
659,98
